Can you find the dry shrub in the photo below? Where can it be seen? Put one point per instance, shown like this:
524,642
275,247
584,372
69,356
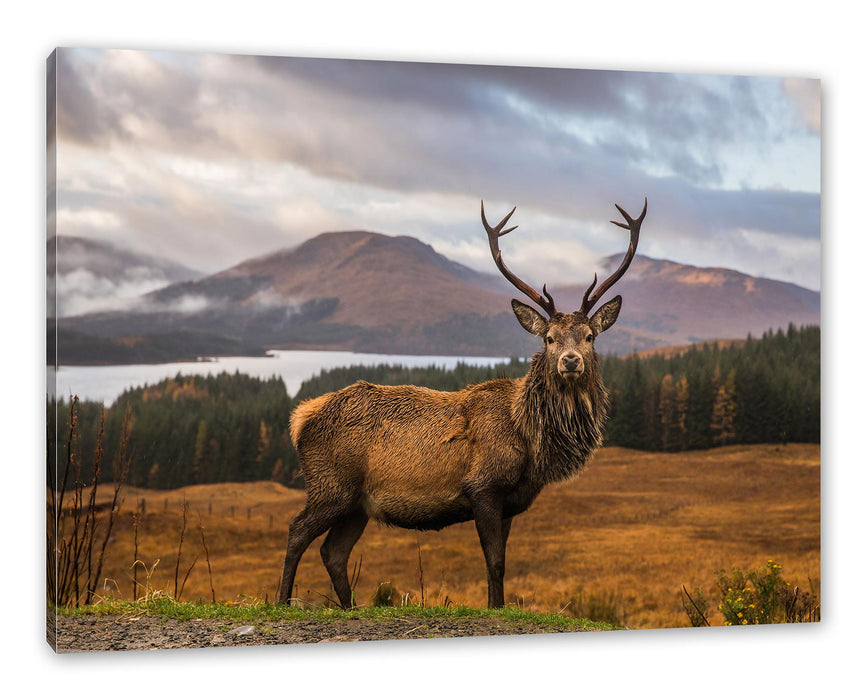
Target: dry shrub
604,606
386,595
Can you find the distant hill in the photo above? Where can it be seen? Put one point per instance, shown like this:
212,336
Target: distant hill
667,303
380,280
367,292
95,275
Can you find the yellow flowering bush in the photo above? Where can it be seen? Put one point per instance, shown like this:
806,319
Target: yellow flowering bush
757,597
753,597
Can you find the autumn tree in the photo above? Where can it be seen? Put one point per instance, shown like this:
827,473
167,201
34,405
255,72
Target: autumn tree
724,408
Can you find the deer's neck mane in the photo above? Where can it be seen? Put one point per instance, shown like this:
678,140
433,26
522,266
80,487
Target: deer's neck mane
561,423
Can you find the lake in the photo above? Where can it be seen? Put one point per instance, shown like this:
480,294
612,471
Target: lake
106,382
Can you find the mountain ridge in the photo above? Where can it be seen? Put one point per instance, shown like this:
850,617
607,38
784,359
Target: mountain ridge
369,292
351,265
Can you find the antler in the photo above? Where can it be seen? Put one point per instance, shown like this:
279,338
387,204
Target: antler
493,234
633,225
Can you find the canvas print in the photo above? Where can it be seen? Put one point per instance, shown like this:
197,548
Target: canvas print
347,350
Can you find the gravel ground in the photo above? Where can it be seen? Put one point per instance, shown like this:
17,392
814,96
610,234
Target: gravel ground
122,632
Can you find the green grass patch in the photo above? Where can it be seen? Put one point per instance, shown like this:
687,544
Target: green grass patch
250,612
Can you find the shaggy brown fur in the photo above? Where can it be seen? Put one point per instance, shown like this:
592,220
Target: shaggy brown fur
423,459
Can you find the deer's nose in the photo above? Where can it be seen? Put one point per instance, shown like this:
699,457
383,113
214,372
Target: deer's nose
571,362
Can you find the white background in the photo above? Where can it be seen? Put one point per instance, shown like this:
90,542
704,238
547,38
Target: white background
823,41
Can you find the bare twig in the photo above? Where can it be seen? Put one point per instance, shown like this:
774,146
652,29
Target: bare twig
183,583
71,441
120,472
695,605
356,575
90,520
328,599
180,545
420,572
76,538
135,519
62,550
207,559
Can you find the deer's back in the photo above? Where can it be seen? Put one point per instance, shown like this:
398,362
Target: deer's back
410,454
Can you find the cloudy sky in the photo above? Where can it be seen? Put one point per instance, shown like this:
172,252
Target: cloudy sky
211,159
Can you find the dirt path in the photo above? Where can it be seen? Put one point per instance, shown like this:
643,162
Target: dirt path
121,632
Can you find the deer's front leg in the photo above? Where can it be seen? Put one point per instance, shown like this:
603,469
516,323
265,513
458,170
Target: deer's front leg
487,508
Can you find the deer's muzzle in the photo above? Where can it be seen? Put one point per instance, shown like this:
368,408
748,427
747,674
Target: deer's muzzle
571,365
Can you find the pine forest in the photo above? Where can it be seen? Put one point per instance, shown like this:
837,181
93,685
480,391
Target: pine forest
232,427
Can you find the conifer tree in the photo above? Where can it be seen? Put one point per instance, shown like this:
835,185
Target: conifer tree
724,409
667,413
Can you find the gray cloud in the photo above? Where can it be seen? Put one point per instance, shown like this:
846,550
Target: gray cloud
565,142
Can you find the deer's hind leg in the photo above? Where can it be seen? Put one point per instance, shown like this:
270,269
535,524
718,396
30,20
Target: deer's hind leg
333,496
336,548
304,528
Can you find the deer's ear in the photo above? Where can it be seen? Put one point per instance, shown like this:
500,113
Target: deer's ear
529,318
604,318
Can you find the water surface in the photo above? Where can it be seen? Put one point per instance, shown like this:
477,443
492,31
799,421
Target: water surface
106,382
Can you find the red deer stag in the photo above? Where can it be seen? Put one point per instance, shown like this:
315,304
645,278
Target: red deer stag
423,459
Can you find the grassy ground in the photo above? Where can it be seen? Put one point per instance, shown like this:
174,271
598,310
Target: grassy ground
161,623
616,545
267,612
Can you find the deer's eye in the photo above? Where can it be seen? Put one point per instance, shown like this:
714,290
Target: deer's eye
549,340
589,338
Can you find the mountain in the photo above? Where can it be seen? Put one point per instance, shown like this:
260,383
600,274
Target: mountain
367,292
90,275
667,303
380,280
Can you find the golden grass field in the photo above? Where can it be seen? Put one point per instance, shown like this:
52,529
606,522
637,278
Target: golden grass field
631,530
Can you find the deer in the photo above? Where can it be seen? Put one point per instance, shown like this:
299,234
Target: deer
416,458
